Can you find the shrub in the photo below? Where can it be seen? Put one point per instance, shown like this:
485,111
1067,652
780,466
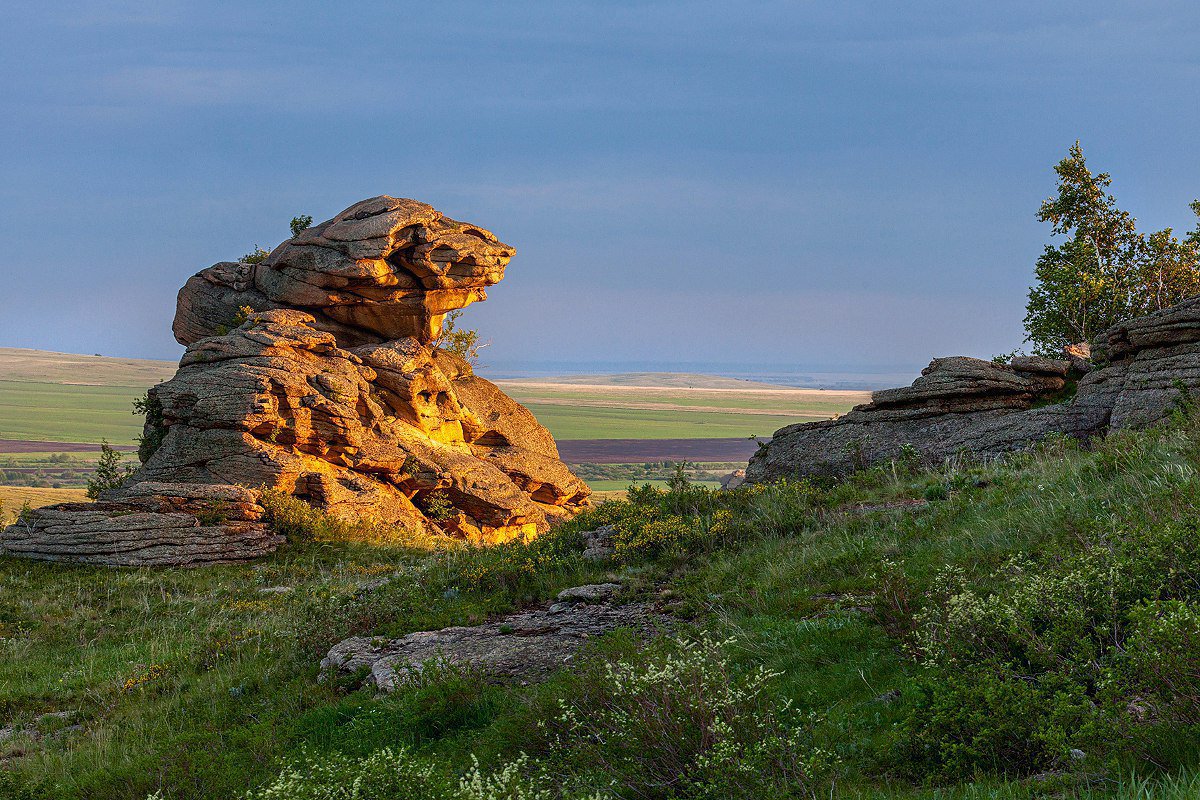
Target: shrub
989,718
1159,670
300,223
437,506
397,774
680,722
255,256
154,430
463,343
1077,644
110,472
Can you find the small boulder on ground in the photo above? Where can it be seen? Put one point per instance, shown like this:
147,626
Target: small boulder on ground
598,543
524,646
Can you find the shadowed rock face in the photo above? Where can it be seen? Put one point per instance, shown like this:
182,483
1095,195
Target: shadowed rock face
966,405
332,392
386,268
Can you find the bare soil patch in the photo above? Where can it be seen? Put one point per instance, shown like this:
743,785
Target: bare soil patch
31,446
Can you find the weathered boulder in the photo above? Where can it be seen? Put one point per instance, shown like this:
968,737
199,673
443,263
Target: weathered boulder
154,524
525,646
734,479
314,373
965,405
376,431
385,268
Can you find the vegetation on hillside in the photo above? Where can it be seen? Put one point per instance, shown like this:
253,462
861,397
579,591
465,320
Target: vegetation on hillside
463,342
999,630
111,472
1106,271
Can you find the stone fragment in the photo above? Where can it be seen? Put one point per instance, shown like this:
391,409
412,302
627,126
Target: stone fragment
598,543
519,647
734,479
590,593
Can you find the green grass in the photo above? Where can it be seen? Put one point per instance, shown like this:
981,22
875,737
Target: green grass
58,413
800,402
195,683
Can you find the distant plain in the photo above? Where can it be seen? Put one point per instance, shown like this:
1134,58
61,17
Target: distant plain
55,408
58,397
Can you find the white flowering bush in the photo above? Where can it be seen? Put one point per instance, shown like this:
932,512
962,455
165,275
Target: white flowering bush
682,723
395,774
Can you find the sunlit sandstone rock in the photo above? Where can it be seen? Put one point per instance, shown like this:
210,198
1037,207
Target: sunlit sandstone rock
384,269
314,373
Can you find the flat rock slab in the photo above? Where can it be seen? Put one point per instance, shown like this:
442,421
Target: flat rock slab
150,524
591,593
527,646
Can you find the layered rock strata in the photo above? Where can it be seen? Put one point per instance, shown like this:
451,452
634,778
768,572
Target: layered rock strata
315,373
964,405
385,268
153,524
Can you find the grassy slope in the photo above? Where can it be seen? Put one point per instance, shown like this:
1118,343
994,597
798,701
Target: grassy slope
194,682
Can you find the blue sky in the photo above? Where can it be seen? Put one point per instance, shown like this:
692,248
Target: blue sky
845,185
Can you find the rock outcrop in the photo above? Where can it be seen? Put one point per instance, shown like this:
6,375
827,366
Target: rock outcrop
153,524
315,373
965,405
526,646
386,268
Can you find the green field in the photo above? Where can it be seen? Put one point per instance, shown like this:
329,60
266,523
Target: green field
61,397
588,422
620,486
805,402
68,413
65,413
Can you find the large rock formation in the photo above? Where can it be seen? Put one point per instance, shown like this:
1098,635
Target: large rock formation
964,405
315,373
386,268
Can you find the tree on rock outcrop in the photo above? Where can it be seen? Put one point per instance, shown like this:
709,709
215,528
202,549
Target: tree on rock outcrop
1106,271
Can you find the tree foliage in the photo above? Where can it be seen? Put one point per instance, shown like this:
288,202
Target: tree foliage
462,342
300,223
110,472
1106,271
